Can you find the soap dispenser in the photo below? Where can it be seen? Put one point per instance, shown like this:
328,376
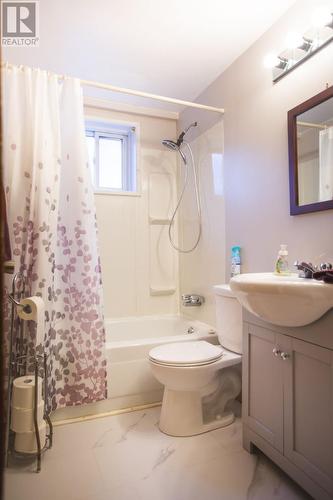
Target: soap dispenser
281,265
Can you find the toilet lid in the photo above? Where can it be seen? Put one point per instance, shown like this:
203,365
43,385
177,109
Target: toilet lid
186,353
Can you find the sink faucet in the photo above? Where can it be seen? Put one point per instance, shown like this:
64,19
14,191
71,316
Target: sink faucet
307,270
192,300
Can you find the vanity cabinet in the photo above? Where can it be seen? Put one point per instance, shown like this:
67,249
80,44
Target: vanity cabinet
308,409
263,395
288,400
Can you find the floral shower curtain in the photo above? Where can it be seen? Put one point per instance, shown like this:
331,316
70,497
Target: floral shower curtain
52,226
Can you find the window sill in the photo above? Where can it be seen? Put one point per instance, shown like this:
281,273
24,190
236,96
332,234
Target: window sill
118,193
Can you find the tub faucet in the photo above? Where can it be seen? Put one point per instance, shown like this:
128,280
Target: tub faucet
192,300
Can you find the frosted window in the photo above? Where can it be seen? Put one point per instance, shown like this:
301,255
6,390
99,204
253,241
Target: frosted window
112,156
110,163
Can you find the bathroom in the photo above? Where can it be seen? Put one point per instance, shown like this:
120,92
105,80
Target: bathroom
155,157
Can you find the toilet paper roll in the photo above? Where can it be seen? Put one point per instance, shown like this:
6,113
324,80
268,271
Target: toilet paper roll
25,442
24,392
23,420
37,308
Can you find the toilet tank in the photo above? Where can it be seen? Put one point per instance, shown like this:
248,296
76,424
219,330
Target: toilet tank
228,319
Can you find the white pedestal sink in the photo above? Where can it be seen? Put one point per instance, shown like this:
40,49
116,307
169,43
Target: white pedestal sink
283,300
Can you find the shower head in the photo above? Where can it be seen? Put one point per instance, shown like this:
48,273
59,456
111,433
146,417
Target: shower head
174,147
170,144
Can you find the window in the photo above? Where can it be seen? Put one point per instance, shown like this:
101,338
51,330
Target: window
112,156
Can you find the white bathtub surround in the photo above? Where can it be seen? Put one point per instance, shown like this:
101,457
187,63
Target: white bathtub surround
51,219
139,268
205,266
128,342
127,458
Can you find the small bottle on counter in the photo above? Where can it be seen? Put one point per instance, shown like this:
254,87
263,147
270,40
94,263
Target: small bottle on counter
281,265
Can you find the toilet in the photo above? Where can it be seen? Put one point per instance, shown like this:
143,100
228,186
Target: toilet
201,380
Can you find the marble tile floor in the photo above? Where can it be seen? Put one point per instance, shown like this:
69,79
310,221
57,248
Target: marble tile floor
126,457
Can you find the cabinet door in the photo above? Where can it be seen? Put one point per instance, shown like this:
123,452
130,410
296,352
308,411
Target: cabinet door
308,424
263,385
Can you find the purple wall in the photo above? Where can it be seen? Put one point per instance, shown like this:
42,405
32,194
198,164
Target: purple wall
256,149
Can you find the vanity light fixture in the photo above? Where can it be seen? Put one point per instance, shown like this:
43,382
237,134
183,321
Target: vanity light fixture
294,40
272,61
300,47
322,17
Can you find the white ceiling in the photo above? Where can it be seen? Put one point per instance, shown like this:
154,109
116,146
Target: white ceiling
174,47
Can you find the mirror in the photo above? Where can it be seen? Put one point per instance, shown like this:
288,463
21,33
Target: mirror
310,134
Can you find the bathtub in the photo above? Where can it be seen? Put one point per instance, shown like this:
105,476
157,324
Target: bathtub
129,340
130,381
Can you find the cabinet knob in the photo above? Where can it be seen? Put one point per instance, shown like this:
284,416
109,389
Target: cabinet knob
285,356
276,352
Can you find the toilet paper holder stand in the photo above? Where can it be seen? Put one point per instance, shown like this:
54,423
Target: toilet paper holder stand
17,303
16,365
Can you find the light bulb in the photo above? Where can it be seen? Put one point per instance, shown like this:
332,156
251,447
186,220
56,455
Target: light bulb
294,40
271,60
322,16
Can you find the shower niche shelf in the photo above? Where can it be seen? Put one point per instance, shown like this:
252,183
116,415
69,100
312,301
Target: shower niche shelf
162,261
159,222
162,291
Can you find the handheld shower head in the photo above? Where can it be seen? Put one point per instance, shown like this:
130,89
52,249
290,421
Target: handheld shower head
170,144
177,146
174,147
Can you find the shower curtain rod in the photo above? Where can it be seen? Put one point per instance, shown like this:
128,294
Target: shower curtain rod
156,97
139,93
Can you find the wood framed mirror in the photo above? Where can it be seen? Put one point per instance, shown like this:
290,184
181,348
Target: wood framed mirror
310,139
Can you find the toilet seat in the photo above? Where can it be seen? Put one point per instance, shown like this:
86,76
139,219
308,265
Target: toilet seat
197,353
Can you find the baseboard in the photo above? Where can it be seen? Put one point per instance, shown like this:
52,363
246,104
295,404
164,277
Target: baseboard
94,416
